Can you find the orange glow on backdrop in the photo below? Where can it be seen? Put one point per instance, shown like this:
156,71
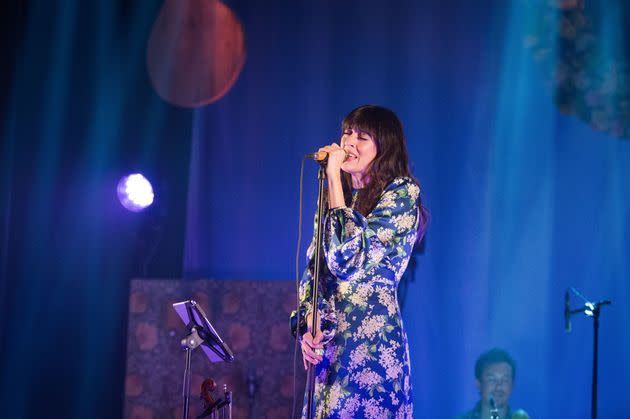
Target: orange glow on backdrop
195,52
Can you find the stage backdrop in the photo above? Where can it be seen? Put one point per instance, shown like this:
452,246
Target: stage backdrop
250,316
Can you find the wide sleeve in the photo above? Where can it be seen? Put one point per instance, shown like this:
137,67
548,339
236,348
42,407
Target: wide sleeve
356,243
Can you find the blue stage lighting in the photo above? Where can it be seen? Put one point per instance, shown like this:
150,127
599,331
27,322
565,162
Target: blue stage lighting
135,192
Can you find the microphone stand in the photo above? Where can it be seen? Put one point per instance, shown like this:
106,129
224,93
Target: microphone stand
310,376
591,310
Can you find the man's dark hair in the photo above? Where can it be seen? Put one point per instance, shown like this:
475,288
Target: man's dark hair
493,356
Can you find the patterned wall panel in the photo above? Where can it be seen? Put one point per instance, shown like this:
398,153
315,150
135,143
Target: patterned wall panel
250,316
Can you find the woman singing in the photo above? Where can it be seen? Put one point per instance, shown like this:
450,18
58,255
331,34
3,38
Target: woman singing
374,216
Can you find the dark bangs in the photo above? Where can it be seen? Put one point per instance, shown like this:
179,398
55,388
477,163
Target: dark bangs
365,119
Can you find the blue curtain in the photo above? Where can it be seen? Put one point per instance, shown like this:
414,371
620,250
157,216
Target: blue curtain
78,114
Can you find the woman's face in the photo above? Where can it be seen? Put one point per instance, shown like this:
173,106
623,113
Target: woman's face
360,148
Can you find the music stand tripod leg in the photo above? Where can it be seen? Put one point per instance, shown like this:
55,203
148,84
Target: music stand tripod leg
187,379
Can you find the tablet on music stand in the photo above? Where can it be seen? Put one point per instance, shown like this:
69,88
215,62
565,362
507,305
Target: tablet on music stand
197,324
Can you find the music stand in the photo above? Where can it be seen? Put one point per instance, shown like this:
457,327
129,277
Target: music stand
199,332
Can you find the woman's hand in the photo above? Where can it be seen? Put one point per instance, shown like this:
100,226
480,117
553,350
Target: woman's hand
336,157
312,348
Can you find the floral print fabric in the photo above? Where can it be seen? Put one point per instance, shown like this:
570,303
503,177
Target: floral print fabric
365,372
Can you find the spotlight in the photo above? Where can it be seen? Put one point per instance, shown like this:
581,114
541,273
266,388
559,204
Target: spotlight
135,192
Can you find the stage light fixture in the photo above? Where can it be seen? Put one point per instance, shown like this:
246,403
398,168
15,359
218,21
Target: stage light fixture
135,192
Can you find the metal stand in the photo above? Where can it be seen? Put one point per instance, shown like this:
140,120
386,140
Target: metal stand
186,389
200,332
591,310
310,376
595,362
189,343
223,406
228,401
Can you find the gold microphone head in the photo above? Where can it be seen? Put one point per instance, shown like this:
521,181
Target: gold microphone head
320,155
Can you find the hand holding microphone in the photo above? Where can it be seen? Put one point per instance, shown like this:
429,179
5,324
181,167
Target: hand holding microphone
322,154
333,155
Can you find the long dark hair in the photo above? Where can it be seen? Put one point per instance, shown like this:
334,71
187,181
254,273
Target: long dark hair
391,159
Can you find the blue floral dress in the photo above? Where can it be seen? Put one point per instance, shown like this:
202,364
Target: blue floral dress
365,372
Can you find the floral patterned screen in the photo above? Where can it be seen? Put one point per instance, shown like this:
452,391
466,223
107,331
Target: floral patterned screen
250,316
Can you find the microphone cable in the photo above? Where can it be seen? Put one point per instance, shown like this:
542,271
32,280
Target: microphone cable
297,288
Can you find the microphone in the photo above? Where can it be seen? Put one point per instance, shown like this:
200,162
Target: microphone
494,412
321,156
567,312
318,156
